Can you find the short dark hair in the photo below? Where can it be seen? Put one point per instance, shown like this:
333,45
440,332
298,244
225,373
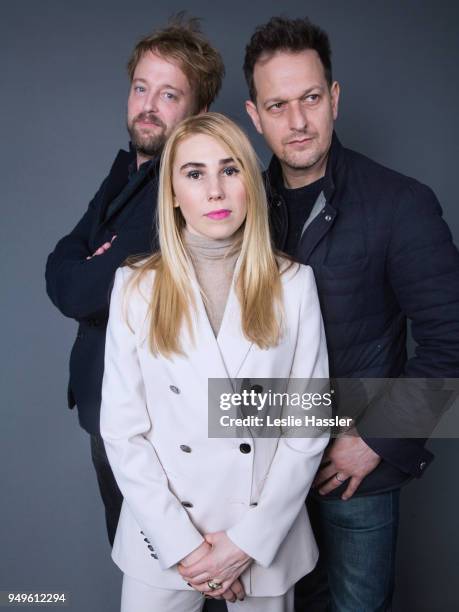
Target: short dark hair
281,34
183,41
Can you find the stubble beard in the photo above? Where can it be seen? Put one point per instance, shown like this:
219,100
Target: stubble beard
301,160
147,144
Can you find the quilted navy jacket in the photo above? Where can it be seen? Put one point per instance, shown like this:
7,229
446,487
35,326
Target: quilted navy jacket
382,255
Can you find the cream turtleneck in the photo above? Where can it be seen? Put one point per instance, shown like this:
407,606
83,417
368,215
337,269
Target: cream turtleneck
214,262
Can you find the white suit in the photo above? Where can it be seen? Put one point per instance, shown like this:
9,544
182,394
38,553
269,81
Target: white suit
177,482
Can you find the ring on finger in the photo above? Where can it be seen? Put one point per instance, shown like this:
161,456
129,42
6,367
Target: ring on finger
214,585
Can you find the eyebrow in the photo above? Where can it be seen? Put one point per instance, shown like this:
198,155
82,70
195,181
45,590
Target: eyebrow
222,162
305,93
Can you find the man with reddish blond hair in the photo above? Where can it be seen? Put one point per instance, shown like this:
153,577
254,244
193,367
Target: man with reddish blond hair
174,73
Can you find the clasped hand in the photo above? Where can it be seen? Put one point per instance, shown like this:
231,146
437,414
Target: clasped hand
217,559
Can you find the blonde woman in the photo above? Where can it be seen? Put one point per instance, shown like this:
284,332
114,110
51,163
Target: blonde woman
223,517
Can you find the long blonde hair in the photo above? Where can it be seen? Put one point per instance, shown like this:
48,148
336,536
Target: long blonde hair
258,285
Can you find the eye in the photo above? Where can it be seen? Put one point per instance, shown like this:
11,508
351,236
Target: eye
194,174
169,96
312,98
276,106
230,170
139,89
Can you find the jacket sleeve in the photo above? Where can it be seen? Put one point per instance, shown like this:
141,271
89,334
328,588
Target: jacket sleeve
70,251
296,459
124,423
80,287
423,270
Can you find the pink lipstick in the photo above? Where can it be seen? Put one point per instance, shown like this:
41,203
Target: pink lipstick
218,214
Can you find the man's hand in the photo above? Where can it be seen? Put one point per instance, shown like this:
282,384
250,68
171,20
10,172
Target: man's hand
102,248
224,564
348,457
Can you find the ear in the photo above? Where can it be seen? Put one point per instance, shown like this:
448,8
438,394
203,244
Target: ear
252,111
334,93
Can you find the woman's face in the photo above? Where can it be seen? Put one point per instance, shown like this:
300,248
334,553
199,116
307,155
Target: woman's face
208,187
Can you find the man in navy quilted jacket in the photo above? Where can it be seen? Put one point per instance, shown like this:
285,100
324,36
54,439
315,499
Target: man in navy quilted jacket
382,255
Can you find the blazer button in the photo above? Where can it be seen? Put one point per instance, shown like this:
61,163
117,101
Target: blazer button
146,540
257,388
328,218
185,448
174,389
422,465
150,547
186,504
253,504
245,448
154,555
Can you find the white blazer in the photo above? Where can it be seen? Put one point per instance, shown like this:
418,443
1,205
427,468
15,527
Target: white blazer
177,482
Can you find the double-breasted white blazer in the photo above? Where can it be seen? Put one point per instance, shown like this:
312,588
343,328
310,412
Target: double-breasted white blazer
177,482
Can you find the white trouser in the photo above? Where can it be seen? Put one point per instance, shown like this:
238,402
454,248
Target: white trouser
137,596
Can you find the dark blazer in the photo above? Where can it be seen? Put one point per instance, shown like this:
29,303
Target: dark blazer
80,288
382,255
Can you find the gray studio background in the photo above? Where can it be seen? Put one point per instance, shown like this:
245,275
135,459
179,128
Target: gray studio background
64,89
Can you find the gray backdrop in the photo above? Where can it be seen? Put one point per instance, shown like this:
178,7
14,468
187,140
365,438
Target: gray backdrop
64,91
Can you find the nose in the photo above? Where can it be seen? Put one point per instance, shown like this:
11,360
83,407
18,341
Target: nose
297,116
215,190
150,102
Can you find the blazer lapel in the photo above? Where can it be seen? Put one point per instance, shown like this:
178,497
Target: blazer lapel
113,187
231,346
126,194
